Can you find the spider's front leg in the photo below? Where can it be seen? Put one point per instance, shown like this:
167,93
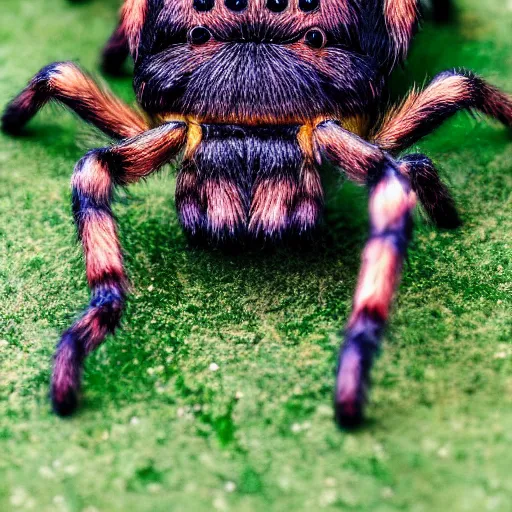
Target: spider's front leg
94,180
391,203
66,83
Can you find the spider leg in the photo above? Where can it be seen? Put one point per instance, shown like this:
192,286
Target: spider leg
115,52
401,20
391,203
424,111
93,183
433,194
67,84
418,169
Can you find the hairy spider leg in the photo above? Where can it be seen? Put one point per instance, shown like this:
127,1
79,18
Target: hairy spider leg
93,183
358,158
432,193
391,202
401,22
66,83
424,111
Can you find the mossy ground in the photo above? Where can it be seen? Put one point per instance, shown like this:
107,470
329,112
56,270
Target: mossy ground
158,429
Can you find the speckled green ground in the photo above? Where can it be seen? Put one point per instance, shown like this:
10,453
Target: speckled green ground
159,430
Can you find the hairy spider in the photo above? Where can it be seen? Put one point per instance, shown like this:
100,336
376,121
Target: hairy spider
254,95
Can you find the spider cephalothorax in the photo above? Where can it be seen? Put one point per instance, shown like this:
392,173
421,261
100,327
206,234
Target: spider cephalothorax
255,66
254,95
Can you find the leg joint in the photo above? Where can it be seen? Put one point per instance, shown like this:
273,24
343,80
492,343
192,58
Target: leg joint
92,184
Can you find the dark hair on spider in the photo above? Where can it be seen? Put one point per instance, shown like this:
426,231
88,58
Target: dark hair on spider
252,96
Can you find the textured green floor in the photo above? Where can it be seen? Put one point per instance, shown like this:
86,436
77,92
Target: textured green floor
159,430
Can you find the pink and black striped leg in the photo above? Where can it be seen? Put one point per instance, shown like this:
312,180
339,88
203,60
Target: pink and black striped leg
391,202
93,184
66,83
115,52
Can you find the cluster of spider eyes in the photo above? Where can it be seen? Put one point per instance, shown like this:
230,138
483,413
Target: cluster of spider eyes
314,38
240,5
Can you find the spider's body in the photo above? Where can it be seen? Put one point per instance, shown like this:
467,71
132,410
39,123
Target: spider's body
254,94
250,91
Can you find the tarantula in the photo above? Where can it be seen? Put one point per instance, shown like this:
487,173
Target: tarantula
255,95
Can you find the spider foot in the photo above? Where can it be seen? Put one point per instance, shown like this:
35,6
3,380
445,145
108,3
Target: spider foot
67,371
353,375
101,318
14,119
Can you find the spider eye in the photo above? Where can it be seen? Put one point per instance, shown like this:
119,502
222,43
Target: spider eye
203,5
236,5
199,35
315,38
308,5
277,5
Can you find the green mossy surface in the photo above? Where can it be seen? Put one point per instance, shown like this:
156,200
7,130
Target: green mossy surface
160,431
